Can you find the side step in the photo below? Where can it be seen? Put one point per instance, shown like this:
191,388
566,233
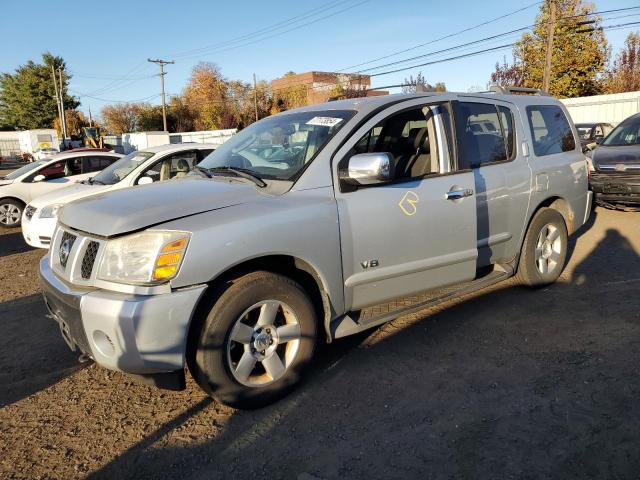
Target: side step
355,322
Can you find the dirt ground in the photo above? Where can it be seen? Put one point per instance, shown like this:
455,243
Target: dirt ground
506,383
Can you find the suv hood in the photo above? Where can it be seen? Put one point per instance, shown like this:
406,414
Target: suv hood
626,156
135,208
68,194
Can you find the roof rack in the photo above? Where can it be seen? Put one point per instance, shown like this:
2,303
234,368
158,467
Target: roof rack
508,90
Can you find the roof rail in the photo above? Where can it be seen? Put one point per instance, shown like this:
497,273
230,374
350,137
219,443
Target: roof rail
507,90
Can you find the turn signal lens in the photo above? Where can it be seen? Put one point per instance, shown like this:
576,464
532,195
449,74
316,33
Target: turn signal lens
168,261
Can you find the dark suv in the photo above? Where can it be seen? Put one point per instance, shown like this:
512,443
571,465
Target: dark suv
616,163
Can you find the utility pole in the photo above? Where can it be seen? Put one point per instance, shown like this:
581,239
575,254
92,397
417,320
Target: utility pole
255,96
55,88
162,63
64,116
551,28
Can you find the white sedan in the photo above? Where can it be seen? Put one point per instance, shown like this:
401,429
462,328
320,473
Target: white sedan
44,176
140,167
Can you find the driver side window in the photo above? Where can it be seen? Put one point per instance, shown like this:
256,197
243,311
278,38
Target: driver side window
410,138
51,172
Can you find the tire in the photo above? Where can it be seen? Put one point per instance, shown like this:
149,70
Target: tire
263,323
10,213
544,249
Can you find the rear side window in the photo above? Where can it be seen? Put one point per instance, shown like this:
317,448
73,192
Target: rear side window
484,133
550,130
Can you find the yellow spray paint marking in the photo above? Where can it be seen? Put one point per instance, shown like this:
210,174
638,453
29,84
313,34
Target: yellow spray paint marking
409,202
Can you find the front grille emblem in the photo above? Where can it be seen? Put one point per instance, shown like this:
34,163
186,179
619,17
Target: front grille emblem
621,167
65,251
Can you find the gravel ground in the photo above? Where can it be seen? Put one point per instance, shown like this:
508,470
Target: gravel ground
506,383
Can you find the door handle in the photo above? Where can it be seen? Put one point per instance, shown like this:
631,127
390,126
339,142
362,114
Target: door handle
458,194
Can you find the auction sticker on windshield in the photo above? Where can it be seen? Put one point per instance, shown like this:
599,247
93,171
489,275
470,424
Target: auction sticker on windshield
324,121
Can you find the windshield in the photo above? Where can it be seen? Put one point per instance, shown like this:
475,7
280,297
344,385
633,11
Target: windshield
27,168
627,133
278,147
119,170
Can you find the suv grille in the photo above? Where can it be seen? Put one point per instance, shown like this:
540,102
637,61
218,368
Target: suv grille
29,212
89,259
63,251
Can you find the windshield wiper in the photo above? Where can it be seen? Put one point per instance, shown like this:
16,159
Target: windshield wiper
240,172
203,171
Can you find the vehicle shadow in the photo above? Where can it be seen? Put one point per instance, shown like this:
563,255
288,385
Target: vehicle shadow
13,243
507,382
32,353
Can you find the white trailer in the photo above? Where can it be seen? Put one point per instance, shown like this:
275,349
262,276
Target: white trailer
142,140
33,140
612,108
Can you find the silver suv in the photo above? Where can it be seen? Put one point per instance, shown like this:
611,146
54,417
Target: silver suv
316,223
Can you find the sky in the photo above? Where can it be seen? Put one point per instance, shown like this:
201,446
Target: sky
106,46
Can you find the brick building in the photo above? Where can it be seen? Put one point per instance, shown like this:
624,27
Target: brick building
318,87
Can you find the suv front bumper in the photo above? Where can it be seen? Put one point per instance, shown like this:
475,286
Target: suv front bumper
616,187
138,334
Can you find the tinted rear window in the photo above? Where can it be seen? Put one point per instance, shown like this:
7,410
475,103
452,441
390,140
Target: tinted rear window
550,130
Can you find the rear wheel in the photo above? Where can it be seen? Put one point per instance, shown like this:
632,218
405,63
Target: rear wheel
544,250
255,342
10,213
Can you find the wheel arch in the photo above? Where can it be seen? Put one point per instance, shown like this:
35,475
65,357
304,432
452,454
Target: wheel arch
295,268
10,197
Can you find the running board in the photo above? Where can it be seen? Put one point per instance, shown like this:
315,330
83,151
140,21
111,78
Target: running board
355,322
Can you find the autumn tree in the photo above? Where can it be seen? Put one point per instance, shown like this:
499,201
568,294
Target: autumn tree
206,93
420,84
579,50
181,115
624,73
120,118
27,97
292,96
76,121
508,75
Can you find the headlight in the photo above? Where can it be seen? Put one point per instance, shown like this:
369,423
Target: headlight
143,258
50,211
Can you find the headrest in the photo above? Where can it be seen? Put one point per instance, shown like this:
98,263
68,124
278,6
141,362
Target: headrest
183,165
419,138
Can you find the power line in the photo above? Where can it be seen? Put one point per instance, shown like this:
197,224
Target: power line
267,29
460,32
476,41
297,27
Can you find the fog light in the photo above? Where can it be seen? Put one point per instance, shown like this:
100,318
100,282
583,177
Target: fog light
103,343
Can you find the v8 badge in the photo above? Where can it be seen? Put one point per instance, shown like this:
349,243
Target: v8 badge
408,203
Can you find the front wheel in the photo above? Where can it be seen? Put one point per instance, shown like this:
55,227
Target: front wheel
10,213
255,342
544,250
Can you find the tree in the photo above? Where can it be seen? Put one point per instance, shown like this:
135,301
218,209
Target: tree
507,75
624,73
420,84
206,93
27,97
293,96
181,115
149,118
120,118
75,122
579,50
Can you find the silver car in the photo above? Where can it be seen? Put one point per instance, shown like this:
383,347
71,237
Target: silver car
313,224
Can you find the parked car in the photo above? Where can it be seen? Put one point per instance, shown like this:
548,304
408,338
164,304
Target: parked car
615,179
359,211
34,179
591,133
139,167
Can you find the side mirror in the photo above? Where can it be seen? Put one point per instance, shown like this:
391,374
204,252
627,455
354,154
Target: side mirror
369,169
145,180
599,140
39,178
